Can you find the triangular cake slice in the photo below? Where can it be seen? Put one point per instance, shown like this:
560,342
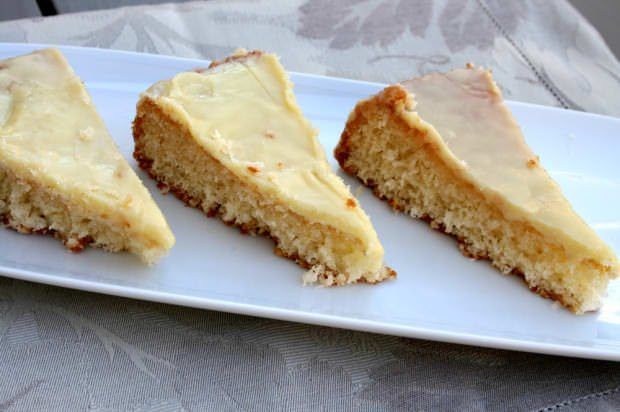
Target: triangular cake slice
61,172
445,148
232,141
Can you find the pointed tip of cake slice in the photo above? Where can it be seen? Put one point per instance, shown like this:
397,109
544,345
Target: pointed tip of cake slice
320,275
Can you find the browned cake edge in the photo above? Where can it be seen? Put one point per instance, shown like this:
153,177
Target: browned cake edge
73,244
240,55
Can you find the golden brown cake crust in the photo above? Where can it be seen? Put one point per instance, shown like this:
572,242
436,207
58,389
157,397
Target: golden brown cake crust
240,55
146,163
75,245
391,99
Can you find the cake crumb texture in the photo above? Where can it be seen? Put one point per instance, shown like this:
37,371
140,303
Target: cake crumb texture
28,208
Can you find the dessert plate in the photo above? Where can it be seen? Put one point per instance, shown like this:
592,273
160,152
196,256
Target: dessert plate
438,295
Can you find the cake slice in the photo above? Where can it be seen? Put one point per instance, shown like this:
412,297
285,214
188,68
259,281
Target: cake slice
232,141
61,172
446,149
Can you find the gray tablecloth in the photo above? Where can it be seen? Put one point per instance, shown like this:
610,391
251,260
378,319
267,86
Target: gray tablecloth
62,349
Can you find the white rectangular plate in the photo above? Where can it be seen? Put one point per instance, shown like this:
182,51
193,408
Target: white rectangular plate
439,294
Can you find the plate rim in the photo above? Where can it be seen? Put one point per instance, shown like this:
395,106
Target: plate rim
317,319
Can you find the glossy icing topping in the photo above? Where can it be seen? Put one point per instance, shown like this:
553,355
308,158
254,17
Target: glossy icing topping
50,133
244,113
466,117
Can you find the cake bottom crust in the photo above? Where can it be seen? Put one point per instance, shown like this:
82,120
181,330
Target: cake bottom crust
74,244
317,271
